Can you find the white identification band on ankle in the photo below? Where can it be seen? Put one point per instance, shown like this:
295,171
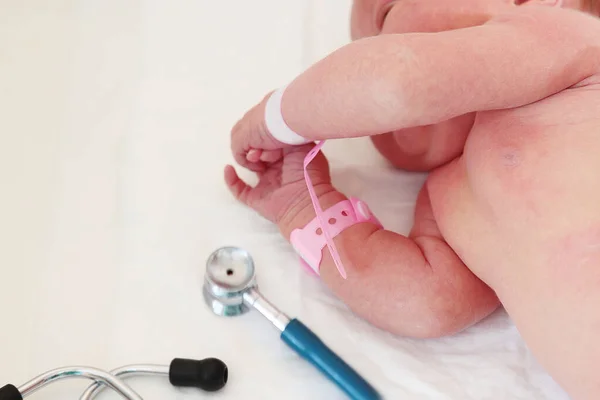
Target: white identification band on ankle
276,124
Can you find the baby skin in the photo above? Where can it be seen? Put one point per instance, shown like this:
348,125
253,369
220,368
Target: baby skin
500,101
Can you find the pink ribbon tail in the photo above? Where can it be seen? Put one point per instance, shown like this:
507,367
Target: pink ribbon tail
319,211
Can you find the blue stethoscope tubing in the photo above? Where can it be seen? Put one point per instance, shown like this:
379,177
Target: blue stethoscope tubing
308,345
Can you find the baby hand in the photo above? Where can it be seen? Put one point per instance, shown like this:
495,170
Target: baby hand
281,191
252,144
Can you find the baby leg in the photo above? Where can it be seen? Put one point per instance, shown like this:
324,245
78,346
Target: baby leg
427,147
411,286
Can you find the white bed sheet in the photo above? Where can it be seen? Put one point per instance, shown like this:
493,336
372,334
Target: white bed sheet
114,122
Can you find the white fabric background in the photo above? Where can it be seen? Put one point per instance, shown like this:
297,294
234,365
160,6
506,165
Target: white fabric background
114,128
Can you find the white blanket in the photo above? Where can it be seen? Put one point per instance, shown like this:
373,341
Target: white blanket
114,130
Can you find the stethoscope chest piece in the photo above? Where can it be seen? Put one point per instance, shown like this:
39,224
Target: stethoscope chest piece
230,289
229,274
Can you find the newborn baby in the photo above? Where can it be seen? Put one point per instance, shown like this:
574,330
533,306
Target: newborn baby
500,101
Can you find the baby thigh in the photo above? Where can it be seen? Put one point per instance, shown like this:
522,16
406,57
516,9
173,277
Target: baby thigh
424,148
457,298
412,286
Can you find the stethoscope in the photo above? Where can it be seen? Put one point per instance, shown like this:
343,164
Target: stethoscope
229,289
210,374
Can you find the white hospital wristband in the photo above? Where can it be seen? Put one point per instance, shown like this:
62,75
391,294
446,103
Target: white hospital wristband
276,124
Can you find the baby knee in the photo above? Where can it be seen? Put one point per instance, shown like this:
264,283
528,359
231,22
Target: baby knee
424,148
447,317
403,155
438,325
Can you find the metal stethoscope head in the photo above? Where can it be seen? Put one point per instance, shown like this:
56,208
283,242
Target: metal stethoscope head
230,287
229,274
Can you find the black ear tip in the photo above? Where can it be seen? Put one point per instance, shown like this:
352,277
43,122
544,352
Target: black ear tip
210,374
215,374
10,392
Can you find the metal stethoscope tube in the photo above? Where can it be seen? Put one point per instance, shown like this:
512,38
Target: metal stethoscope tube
210,374
254,299
95,374
124,372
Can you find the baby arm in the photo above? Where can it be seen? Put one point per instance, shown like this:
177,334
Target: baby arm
398,81
412,286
